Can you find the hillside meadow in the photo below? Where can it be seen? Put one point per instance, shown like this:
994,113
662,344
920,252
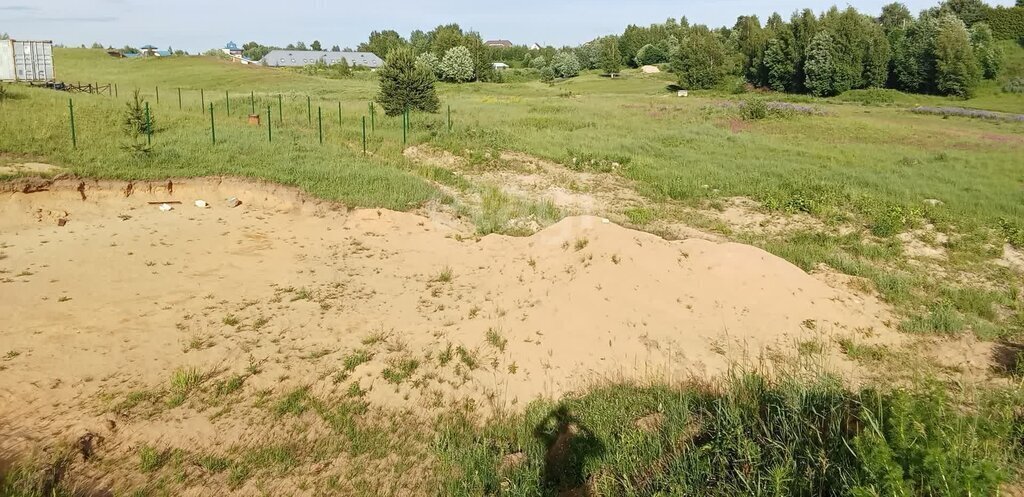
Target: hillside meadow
922,211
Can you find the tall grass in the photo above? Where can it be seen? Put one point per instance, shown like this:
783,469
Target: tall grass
751,436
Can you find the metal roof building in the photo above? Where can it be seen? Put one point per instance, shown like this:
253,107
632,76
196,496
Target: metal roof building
299,58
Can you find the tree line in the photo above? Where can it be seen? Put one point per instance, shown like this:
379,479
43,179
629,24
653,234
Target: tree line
947,50
944,50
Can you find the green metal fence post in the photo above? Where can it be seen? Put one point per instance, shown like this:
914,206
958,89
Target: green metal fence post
280,110
373,118
309,111
213,127
149,127
320,123
74,138
364,135
179,98
202,101
252,101
339,114
115,90
227,101
449,118
157,94
405,126
270,126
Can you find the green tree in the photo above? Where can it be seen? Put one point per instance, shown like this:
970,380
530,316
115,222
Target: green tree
300,45
778,65
632,40
822,71
895,16
255,51
316,46
803,25
969,11
990,55
404,84
956,69
702,61
650,55
335,48
565,65
457,65
5,36
538,62
430,61
913,64
444,38
382,43
420,41
97,46
750,41
611,58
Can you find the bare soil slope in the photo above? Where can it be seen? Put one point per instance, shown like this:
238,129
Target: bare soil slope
292,292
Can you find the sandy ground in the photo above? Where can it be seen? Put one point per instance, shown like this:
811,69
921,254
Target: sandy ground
103,293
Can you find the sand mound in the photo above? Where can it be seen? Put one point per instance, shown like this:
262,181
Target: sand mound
291,292
650,70
29,168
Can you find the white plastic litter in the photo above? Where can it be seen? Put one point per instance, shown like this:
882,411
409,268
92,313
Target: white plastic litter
202,204
166,208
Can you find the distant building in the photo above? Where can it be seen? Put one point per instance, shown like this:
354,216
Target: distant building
535,46
232,49
499,43
149,51
299,58
499,66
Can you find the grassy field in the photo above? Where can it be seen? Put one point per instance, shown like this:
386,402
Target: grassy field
861,167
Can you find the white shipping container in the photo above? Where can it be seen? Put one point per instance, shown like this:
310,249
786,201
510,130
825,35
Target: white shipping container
26,60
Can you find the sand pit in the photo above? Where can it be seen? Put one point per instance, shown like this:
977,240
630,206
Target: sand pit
285,292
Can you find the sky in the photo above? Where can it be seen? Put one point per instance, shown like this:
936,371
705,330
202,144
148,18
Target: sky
196,26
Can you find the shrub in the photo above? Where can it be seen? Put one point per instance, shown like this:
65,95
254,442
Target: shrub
539,63
1014,85
457,65
565,65
754,109
404,84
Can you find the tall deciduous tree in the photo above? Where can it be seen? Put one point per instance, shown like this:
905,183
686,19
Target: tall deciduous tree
404,84
316,46
381,43
702,61
895,16
990,55
956,69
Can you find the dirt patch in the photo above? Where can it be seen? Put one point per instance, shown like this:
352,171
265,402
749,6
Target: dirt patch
125,294
925,243
29,168
1012,258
